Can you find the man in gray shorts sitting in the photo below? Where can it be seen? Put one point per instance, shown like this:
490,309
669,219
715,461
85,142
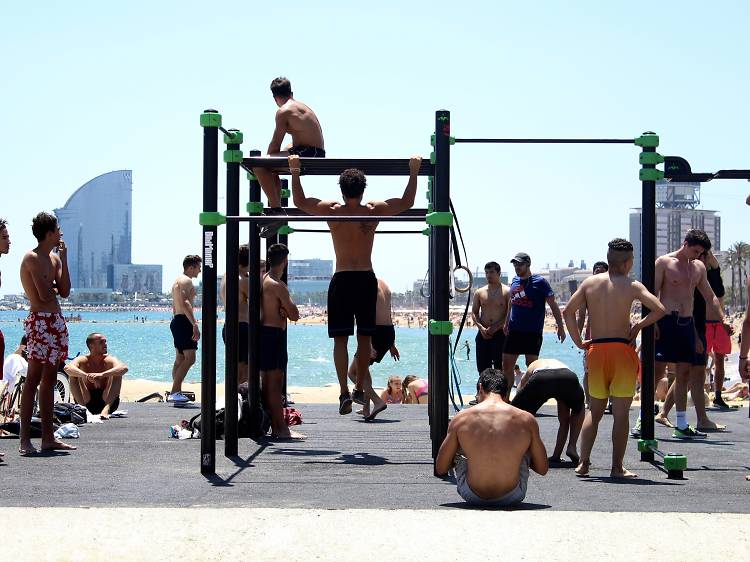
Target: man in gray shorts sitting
497,444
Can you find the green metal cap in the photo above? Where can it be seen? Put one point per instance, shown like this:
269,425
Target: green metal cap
675,462
251,176
254,207
650,174
285,230
233,156
439,218
211,218
440,327
236,137
649,139
646,445
211,118
650,158
286,193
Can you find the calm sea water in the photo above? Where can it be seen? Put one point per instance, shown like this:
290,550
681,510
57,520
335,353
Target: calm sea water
148,350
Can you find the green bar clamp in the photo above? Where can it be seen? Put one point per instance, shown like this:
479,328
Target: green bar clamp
650,158
429,208
430,181
451,140
211,120
251,176
675,462
647,140
439,218
426,231
432,157
441,327
211,218
236,137
285,230
233,156
286,193
650,174
254,207
432,139
645,445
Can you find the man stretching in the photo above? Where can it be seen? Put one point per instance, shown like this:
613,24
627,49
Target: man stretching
299,121
4,249
184,327
96,378
488,311
277,307
547,379
44,275
353,291
498,444
611,358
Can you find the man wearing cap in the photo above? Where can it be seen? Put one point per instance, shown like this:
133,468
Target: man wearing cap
524,325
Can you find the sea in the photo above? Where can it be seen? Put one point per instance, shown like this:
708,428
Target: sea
142,340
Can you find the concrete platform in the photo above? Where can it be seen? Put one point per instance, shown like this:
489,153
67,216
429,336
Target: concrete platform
347,463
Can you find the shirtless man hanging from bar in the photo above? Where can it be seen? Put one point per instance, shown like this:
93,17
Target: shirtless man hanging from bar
353,291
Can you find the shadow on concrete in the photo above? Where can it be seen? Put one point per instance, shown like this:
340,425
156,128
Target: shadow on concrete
522,507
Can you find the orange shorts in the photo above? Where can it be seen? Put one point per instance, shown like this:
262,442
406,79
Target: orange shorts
717,338
613,368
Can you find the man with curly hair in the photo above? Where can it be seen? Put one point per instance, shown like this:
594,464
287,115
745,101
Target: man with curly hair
353,291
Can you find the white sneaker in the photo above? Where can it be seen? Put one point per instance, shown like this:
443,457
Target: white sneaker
177,398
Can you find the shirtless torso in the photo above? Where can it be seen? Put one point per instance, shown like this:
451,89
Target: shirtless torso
183,296
490,307
243,292
277,305
298,120
676,279
40,272
383,315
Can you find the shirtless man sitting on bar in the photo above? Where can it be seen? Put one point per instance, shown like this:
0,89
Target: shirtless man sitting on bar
353,290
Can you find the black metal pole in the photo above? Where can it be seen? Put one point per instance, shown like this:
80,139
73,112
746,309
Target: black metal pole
256,208
210,121
439,286
231,305
284,239
648,271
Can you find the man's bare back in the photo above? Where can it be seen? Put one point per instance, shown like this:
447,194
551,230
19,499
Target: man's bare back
353,241
676,282
299,121
182,290
39,272
383,305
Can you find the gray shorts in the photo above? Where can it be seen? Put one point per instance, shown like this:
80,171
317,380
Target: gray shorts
514,497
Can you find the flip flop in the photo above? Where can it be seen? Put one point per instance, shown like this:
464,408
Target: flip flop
290,438
375,412
28,452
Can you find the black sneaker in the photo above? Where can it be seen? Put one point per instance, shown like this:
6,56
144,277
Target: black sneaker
345,404
271,228
358,396
720,404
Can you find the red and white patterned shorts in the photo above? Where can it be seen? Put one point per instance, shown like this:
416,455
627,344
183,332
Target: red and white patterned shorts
46,337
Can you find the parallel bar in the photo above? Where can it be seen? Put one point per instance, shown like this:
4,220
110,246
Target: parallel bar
334,166
254,309
545,141
295,212
262,219
231,309
322,230
208,320
648,269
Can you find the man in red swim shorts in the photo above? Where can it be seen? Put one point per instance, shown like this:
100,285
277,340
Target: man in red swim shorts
44,275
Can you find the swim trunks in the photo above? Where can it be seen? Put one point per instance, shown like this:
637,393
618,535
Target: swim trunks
304,151
244,344
717,338
352,295
613,368
273,352
489,353
96,403
676,342
523,343
515,496
46,337
182,333
382,341
560,383
700,359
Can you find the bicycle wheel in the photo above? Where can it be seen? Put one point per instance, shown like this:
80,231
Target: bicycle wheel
62,388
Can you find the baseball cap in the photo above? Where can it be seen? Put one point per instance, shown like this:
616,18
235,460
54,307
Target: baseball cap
521,257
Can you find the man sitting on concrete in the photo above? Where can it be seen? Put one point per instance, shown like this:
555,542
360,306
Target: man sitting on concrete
498,444
96,378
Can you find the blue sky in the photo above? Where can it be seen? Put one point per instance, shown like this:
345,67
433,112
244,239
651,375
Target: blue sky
90,87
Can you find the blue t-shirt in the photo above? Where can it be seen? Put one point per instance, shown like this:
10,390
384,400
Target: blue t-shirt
527,300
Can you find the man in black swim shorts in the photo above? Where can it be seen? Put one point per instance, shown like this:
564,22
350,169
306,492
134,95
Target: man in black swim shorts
547,379
184,326
353,291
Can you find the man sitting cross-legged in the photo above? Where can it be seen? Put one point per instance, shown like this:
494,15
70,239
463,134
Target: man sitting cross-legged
498,444
96,378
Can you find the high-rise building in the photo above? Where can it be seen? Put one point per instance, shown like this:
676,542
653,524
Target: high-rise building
96,222
676,213
309,276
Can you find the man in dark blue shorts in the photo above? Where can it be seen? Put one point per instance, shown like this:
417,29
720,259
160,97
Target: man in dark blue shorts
547,379
353,292
488,311
529,295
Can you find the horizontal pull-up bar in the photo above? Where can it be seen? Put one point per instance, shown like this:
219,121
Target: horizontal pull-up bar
334,166
546,141
326,231
295,212
326,218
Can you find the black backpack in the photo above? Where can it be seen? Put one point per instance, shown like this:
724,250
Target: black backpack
248,426
66,412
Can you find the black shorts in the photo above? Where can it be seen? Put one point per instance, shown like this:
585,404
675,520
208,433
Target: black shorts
523,343
182,332
560,384
382,341
701,359
489,353
676,342
307,151
97,403
352,295
273,354
244,344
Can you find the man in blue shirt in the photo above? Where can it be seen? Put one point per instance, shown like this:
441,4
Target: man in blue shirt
524,325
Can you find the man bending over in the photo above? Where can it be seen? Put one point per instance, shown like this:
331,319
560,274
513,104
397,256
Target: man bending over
96,378
498,444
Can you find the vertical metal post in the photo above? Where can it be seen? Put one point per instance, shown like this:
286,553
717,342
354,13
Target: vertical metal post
231,305
439,285
210,121
255,207
648,269
284,239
